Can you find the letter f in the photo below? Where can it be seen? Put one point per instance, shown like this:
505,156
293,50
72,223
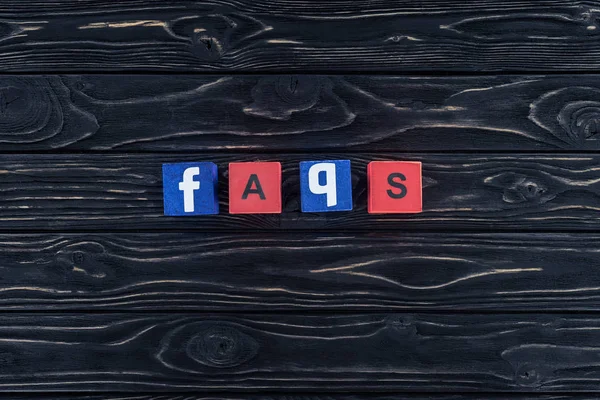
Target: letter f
187,186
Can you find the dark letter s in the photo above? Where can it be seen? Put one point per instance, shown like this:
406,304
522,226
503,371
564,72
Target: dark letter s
397,185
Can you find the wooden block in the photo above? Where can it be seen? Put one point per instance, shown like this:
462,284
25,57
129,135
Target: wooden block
190,188
255,188
395,187
326,186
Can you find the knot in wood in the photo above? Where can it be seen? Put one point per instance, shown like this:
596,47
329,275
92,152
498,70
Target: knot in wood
401,325
26,105
222,346
529,375
298,89
520,188
570,114
78,257
33,110
9,95
581,120
528,189
83,263
206,45
209,34
533,363
278,98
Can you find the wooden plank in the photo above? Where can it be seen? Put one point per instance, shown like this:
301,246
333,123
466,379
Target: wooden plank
284,272
249,35
374,352
297,396
165,113
122,192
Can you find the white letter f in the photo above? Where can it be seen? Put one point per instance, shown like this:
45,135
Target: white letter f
187,186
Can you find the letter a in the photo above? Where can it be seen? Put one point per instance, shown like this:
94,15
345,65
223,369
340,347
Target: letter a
253,180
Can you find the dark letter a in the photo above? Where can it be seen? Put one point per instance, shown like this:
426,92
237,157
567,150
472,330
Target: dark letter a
253,181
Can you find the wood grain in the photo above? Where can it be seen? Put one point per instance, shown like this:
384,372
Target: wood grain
249,35
374,352
298,396
292,272
124,192
103,297
298,112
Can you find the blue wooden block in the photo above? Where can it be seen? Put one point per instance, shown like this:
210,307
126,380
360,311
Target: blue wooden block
326,186
190,188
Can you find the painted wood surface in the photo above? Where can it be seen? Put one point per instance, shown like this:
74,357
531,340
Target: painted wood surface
299,112
372,352
295,272
296,396
494,288
249,35
475,192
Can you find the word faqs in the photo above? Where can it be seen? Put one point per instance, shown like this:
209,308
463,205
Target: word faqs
255,187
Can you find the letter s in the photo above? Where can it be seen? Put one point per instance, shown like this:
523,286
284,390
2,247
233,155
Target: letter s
397,185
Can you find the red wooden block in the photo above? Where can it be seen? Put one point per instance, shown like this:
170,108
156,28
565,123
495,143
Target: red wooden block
395,187
255,188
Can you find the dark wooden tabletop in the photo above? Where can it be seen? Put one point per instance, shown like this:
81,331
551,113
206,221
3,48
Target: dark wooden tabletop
492,292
